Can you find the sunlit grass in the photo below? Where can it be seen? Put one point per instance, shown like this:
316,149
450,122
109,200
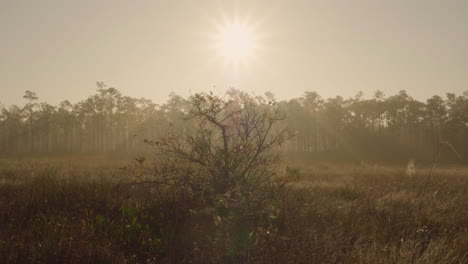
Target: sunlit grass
62,210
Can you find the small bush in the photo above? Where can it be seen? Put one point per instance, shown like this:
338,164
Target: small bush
222,171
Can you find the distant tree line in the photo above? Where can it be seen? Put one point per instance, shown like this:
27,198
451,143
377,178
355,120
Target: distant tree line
381,128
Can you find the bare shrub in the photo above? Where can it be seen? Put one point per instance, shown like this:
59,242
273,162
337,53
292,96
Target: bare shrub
221,165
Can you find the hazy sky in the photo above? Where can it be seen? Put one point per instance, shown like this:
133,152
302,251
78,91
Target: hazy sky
149,48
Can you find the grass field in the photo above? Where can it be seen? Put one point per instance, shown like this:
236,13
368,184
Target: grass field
73,210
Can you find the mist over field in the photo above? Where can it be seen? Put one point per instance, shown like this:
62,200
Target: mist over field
385,129
293,132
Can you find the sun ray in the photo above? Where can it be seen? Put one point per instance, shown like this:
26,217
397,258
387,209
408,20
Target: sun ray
235,42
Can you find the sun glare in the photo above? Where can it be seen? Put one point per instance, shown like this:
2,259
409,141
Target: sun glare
236,42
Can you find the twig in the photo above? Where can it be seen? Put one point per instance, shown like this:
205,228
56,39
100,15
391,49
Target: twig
434,160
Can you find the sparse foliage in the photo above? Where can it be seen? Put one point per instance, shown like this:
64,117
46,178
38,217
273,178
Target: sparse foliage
231,139
225,165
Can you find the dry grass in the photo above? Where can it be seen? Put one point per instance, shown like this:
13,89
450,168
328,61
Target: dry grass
375,214
66,210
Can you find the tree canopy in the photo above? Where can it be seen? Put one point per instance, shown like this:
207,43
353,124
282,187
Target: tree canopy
379,128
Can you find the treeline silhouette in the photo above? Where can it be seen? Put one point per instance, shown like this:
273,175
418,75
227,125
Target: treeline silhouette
381,128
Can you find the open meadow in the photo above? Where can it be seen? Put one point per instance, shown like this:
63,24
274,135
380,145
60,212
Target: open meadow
234,132
91,210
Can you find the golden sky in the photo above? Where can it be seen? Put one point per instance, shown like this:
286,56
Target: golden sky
150,48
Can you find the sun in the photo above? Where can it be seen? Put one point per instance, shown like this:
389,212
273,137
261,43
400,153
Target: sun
236,42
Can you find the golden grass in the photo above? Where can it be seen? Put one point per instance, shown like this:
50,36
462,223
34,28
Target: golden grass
64,210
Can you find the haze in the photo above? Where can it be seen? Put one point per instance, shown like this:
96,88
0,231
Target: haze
59,49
